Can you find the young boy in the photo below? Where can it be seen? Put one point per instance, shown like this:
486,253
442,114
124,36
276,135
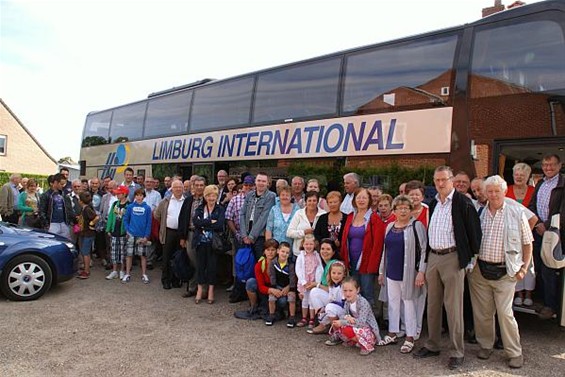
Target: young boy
115,228
137,222
88,219
283,285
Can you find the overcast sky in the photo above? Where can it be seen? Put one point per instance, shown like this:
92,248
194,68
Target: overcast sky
60,60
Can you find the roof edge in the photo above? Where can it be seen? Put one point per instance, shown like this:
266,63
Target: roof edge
27,131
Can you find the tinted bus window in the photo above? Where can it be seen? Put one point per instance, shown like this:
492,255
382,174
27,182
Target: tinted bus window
413,74
223,105
518,58
97,129
127,122
302,91
167,115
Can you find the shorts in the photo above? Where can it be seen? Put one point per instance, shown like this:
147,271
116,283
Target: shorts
86,244
283,300
136,248
118,249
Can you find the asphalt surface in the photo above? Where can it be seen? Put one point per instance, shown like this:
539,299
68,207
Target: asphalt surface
106,328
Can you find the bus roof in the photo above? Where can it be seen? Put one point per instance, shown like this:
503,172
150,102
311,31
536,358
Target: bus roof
502,15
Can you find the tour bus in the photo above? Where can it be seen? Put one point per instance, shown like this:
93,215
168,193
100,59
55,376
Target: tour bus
478,97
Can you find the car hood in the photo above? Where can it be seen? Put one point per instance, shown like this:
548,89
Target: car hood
17,231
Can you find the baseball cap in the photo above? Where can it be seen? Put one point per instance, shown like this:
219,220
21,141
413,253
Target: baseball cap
249,180
121,190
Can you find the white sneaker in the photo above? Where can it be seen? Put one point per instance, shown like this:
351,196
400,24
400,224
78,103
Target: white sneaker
112,275
122,274
528,302
126,278
145,279
518,301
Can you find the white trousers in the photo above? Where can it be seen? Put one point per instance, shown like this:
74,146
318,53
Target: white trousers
394,289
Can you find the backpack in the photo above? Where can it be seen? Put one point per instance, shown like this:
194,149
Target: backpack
551,247
181,266
244,264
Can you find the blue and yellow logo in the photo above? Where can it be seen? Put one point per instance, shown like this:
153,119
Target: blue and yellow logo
117,161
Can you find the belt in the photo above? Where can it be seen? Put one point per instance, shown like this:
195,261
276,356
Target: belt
444,251
172,230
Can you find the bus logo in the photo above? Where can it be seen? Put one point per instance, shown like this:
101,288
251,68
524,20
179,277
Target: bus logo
117,161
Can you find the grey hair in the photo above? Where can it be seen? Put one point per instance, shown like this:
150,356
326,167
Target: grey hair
444,168
496,180
355,177
520,166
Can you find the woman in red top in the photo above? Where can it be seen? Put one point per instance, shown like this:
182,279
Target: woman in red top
384,207
362,243
415,191
522,193
520,190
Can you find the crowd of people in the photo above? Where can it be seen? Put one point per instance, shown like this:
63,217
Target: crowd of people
467,255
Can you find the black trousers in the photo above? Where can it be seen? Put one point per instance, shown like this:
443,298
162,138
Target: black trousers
172,244
207,260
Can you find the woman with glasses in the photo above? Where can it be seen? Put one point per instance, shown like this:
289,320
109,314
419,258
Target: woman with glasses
402,271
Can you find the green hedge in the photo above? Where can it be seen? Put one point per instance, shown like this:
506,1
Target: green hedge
389,177
41,179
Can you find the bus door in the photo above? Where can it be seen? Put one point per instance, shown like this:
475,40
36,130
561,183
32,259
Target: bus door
531,152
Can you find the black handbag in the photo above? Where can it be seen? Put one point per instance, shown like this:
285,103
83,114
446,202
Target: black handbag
490,271
220,243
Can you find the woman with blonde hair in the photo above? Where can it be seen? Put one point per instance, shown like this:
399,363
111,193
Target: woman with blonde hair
208,218
520,191
28,205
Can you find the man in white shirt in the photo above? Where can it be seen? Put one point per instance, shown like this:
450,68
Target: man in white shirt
167,213
351,182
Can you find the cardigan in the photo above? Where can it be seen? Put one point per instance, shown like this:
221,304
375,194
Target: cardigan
298,224
466,227
372,244
321,228
411,266
365,316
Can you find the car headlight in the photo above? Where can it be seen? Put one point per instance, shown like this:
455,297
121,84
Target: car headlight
71,247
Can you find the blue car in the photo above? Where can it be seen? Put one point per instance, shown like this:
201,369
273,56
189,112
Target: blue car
31,261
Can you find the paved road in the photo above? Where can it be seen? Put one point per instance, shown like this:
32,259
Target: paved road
105,328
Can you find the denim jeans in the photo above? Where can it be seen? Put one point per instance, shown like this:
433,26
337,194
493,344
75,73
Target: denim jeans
367,284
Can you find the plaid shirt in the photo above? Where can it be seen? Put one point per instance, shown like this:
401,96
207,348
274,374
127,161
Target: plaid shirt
544,194
440,230
492,243
234,209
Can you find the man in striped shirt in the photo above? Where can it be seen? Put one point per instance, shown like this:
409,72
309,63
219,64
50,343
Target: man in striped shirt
454,235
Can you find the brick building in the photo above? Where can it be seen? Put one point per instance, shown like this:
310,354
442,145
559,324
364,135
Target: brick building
20,152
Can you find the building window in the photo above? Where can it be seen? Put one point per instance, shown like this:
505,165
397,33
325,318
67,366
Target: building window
2,145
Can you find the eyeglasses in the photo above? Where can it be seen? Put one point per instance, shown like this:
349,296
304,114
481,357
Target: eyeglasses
402,209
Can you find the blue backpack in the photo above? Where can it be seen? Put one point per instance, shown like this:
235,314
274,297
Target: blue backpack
244,264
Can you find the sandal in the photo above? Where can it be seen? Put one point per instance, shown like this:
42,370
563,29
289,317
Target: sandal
303,322
388,340
407,347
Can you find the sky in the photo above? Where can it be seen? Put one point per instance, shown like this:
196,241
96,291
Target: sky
60,60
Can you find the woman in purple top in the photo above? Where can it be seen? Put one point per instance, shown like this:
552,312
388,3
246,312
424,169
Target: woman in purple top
401,272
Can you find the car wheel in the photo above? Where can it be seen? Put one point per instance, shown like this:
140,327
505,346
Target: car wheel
26,277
